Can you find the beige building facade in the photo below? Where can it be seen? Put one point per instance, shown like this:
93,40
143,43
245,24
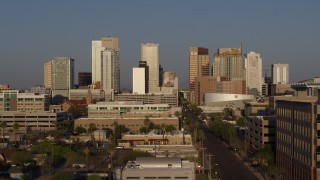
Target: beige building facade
298,137
32,121
132,123
13,100
199,64
229,63
213,84
171,99
261,130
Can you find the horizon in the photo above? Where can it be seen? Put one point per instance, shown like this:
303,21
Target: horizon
34,32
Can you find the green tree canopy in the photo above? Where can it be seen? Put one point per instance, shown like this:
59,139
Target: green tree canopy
94,177
170,128
62,175
241,121
80,130
21,157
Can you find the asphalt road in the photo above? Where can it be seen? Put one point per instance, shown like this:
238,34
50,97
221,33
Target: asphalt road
229,166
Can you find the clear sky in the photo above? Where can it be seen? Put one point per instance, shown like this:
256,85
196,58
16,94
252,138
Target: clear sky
33,32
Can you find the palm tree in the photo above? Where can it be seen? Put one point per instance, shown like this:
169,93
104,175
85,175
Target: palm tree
163,130
15,128
111,150
91,127
147,123
201,137
3,125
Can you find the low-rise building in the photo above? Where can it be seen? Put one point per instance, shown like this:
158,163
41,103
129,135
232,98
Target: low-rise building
132,123
171,99
222,100
253,108
100,135
158,168
261,130
80,94
131,109
214,84
32,121
155,137
14,100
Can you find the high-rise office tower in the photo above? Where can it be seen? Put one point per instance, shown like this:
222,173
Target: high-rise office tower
84,78
59,77
229,63
280,73
150,54
253,65
62,73
47,74
199,64
106,64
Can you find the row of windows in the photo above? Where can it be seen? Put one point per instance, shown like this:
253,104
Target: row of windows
302,130
284,124
304,116
284,137
302,158
303,145
284,112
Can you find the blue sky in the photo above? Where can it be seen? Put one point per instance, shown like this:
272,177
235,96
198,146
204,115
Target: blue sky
33,32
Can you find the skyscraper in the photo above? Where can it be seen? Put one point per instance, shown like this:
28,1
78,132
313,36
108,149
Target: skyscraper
253,65
106,64
47,74
199,64
229,63
84,78
150,54
62,73
139,80
280,73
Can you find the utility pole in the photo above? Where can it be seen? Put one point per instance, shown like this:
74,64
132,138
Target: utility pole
210,155
202,159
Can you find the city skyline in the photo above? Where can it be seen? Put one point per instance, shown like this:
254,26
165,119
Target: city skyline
33,33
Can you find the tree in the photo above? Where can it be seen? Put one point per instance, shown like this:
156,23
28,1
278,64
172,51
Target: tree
170,128
201,137
147,123
21,157
3,125
265,156
92,127
177,114
143,129
241,121
62,175
16,129
80,130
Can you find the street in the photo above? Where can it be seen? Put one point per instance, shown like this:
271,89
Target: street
229,166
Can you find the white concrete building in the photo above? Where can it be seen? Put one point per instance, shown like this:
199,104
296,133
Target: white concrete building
253,65
280,73
110,79
150,54
139,80
158,168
